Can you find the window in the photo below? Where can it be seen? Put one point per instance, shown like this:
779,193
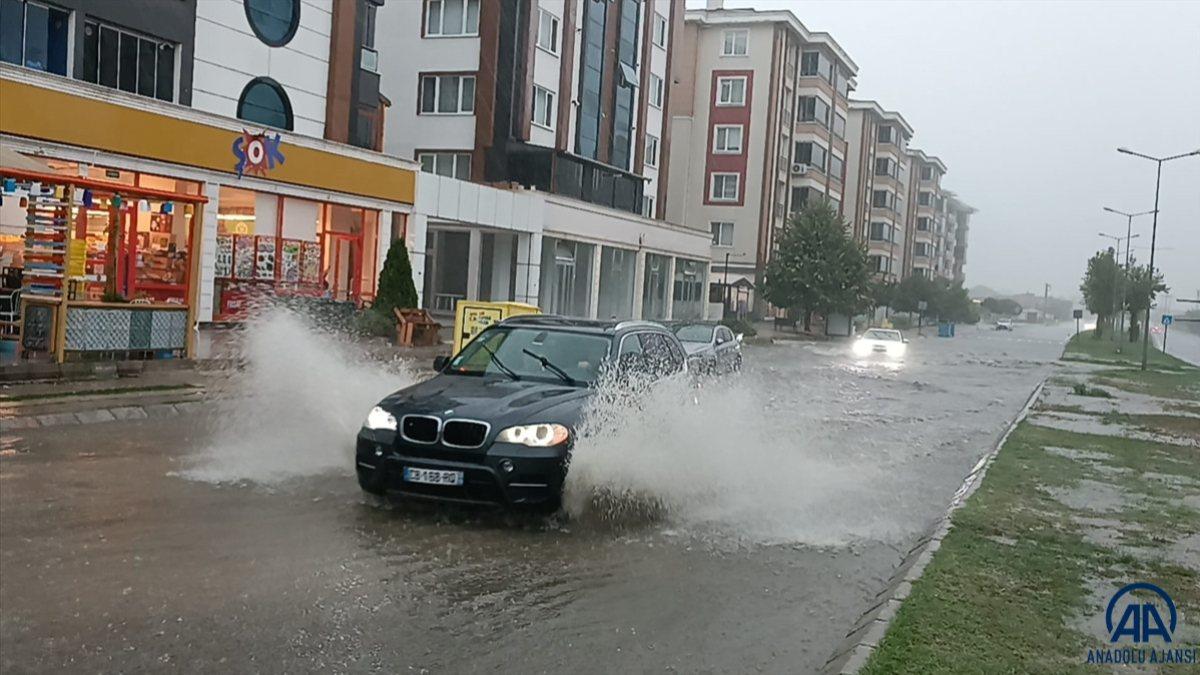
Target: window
927,173
660,31
839,125
882,199
814,109
731,91
656,91
449,164
923,223
880,263
816,64
722,233
921,249
547,37
881,232
591,74
543,107
447,94
884,166
884,134
264,101
836,166
34,36
734,42
119,59
273,21
648,206
799,198
924,198
452,17
812,154
727,139
724,187
651,150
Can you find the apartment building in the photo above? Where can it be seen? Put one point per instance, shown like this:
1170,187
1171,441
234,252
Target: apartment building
759,108
958,225
927,213
541,131
878,177
263,111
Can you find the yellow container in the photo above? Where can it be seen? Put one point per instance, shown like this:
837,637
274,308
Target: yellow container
472,317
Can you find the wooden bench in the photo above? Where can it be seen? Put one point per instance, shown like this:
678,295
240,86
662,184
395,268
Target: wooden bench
415,328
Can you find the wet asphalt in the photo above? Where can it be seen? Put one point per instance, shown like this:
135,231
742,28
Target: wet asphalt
111,560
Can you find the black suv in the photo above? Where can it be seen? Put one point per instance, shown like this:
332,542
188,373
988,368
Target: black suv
498,421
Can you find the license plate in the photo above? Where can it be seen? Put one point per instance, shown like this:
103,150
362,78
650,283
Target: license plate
413,474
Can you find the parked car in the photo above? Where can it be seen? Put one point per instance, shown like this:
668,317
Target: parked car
498,421
1004,324
881,341
712,348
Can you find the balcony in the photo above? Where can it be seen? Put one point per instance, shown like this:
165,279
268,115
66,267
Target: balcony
561,173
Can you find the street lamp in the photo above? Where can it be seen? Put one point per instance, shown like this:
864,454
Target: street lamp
1128,239
1153,235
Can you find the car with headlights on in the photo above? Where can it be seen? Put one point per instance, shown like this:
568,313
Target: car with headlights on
713,348
884,341
497,423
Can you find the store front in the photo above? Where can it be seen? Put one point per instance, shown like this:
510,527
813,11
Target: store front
176,207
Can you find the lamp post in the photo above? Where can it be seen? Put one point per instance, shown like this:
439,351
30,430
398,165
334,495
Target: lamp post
1128,239
1153,235
1128,229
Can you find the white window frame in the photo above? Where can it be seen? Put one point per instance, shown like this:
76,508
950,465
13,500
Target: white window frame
921,194
721,80
658,35
729,48
648,206
712,186
555,32
437,92
717,228
657,89
651,158
548,101
457,155
426,19
727,150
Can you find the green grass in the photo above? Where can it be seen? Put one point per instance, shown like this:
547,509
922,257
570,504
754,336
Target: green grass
988,605
1085,347
1183,385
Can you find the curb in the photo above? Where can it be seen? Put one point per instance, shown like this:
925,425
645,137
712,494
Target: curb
861,640
98,415
101,370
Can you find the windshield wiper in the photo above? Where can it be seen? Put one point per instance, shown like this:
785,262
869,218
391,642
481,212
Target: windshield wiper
551,367
499,364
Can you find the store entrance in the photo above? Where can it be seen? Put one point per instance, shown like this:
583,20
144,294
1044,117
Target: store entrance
345,256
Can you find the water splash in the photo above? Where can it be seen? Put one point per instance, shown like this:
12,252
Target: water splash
297,403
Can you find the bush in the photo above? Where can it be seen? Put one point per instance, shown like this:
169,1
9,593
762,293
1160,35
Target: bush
739,326
374,323
1081,389
396,288
900,322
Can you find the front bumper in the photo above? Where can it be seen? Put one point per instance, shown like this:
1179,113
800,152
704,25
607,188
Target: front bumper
536,475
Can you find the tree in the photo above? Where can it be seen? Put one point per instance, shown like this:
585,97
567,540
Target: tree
1139,294
1004,306
396,287
817,266
1099,288
951,302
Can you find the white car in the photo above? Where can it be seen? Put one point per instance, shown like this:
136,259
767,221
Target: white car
881,341
1004,324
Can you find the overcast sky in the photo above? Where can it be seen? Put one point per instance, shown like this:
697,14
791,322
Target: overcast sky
1026,103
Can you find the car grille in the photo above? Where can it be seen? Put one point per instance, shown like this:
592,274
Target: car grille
464,433
419,428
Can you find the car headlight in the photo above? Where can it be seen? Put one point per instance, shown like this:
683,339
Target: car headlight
535,435
379,418
862,347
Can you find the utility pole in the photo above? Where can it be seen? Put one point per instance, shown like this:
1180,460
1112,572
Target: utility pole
1153,237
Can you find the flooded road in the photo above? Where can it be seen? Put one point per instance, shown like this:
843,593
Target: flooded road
237,539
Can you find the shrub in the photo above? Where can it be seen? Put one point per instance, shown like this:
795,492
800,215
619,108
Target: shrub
396,288
739,326
374,323
1082,389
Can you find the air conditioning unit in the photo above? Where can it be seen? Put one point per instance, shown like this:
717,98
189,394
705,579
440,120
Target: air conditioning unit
799,168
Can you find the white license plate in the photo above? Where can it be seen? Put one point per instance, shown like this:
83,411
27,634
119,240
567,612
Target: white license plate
432,476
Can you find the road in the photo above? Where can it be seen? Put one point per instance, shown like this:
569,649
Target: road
237,540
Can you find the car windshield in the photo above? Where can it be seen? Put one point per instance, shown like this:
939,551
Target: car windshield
579,355
889,335
694,333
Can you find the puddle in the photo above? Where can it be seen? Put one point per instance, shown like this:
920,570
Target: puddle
1090,495
1080,455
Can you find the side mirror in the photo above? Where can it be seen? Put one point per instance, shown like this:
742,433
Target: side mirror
905,340
740,337
439,362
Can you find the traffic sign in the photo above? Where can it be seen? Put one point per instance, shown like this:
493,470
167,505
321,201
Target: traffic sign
1077,314
1168,319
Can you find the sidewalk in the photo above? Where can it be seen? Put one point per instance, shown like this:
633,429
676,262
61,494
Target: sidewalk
1098,488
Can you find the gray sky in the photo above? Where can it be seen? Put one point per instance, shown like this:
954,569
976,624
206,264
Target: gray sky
1026,103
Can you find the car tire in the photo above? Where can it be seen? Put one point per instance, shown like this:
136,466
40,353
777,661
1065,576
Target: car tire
371,481
737,364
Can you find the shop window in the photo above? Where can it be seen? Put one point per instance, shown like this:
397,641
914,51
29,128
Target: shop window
264,101
122,60
35,36
273,21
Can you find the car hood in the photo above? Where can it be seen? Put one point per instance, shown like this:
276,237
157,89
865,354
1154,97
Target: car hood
695,347
490,399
